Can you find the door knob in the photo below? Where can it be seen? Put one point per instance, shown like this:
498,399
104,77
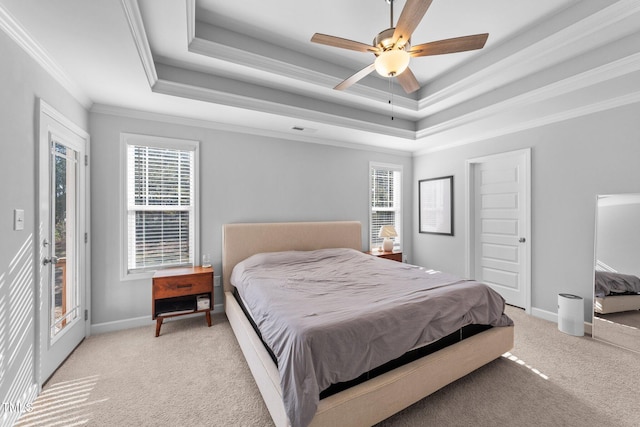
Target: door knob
522,240
53,260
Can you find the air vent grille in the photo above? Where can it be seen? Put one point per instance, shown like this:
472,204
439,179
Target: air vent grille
303,129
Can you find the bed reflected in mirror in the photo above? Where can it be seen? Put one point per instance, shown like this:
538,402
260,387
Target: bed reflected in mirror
616,317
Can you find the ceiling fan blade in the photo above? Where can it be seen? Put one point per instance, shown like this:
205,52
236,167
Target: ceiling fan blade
356,77
408,81
410,17
343,43
457,44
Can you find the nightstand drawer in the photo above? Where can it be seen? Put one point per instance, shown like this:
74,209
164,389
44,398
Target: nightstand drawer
395,256
168,287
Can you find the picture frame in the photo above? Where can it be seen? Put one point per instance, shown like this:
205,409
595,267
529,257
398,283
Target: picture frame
435,205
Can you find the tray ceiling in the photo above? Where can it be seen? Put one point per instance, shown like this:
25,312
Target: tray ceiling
249,65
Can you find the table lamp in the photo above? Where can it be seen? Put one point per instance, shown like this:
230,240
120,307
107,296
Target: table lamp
388,232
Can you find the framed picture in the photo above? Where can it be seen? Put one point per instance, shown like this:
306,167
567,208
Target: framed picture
435,204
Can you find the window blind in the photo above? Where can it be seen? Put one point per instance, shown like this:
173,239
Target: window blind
385,202
160,207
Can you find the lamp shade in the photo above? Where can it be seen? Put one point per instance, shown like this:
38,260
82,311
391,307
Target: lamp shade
388,231
392,62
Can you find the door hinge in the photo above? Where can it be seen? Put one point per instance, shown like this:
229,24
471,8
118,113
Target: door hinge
86,315
86,160
86,237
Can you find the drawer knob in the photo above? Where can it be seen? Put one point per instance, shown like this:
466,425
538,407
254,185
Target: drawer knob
184,286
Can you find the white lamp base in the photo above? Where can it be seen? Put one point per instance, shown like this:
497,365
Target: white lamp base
387,244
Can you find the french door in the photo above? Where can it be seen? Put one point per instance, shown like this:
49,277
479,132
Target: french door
63,249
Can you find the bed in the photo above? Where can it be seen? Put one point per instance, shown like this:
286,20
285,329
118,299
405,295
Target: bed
375,399
616,292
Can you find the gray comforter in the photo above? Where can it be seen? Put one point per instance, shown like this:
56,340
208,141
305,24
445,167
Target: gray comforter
330,315
608,283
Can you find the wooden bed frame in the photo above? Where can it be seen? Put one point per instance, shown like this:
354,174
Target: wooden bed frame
616,304
369,402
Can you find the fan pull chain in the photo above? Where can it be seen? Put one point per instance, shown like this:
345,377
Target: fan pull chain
391,95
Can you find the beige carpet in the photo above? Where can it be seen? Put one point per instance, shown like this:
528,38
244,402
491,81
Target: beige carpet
196,376
629,318
622,329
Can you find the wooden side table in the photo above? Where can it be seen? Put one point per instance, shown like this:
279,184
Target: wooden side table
393,255
175,292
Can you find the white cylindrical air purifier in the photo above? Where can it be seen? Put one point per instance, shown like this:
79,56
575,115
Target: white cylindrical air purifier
571,314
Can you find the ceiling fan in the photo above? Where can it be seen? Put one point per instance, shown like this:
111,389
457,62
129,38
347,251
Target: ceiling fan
393,49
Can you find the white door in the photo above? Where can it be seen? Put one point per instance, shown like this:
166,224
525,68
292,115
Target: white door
500,216
62,244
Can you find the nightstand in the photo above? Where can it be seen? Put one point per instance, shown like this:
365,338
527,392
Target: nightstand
393,255
175,292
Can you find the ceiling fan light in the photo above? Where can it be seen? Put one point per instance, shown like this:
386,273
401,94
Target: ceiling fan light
392,62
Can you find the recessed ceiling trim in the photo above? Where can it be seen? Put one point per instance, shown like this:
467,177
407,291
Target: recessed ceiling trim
614,69
130,113
136,25
15,30
278,92
620,101
191,21
224,98
557,47
545,53
237,56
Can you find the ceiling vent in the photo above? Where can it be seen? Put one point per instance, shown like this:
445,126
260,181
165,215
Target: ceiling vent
302,129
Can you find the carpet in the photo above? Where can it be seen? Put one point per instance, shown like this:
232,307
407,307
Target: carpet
194,375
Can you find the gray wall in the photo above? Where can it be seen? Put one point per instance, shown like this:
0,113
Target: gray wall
243,178
22,82
572,162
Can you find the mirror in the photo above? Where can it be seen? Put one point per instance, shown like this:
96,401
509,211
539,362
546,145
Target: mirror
616,317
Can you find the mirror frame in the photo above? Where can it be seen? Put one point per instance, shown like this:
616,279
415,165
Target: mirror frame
623,339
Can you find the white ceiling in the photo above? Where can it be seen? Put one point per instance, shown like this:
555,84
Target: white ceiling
250,66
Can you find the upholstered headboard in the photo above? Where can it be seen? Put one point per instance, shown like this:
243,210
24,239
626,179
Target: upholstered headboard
240,241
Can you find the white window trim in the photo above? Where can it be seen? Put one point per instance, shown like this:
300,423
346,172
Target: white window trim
394,167
159,142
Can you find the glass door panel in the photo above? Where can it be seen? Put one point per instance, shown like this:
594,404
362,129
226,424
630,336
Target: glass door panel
64,209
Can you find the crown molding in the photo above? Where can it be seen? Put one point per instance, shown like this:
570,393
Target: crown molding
582,80
558,46
225,98
603,73
226,127
191,21
588,32
596,107
549,51
136,25
237,56
10,25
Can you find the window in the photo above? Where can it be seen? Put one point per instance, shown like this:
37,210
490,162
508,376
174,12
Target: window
160,219
385,201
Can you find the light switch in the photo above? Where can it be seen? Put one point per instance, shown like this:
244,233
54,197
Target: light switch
18,219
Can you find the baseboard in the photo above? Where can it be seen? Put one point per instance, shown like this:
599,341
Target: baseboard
553,317
119,325
544,314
